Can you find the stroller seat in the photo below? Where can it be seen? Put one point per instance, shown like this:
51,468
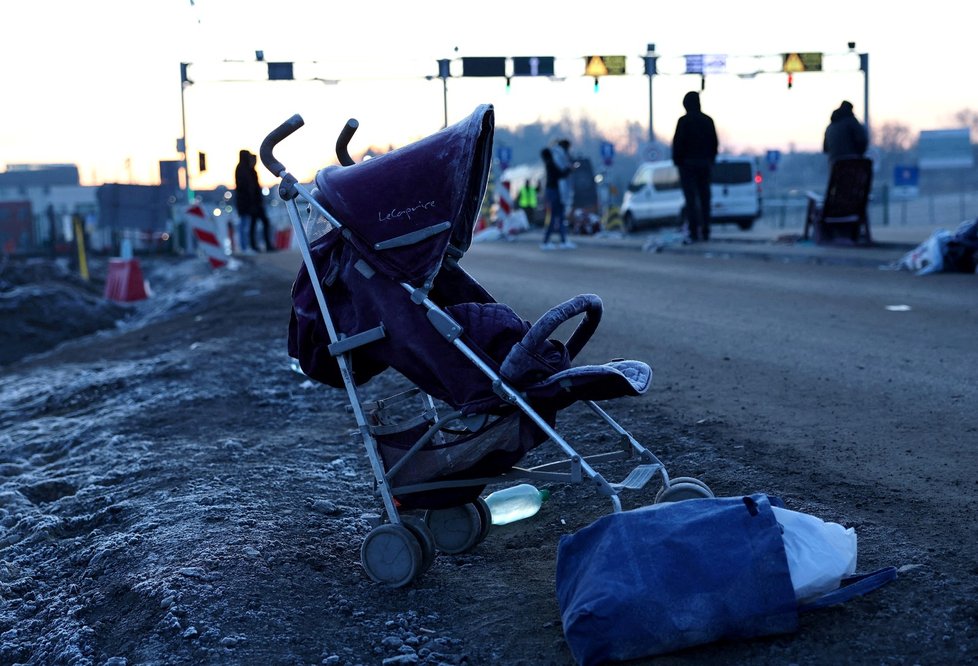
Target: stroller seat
382,289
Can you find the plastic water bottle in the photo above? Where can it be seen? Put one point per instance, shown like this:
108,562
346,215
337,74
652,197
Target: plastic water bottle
515,503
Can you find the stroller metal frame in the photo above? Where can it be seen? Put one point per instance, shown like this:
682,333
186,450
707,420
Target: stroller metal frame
400,532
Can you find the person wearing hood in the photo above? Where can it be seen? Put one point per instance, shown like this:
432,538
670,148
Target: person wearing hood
845,135
694,151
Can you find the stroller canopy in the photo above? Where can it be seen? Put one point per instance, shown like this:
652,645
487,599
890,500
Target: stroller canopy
404,208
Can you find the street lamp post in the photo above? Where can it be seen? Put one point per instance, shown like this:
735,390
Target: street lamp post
188,192
650,72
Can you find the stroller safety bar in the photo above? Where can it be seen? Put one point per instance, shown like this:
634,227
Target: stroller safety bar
588,304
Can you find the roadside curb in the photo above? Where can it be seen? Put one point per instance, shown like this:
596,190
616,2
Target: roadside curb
879,254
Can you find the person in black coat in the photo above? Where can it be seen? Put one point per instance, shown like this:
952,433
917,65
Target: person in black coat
694,151
250,202
845,135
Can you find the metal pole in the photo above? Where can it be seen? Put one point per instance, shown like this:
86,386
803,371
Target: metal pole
444,82
651,131
864,65
650,59
184,82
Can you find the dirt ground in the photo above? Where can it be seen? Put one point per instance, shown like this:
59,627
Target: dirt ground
173,492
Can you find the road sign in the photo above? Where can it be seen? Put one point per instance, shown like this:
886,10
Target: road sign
905,175
801,62
699,63
773,157
607,152
596,65
505,155
533,65
494,66
906,181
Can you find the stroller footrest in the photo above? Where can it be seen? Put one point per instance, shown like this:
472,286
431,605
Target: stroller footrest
638,477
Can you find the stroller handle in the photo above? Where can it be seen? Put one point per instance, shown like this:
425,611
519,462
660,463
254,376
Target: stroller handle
273,139
342,154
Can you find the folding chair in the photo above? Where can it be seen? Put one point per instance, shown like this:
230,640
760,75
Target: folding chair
841,213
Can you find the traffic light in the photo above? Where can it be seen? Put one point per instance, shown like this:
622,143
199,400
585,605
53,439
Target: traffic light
791,80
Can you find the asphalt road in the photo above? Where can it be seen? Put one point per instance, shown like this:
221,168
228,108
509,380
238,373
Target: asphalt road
867,375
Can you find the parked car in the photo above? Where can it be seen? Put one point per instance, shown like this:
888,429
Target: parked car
655,197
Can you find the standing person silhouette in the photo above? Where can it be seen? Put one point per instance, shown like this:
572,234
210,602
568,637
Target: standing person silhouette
558,192
250,203
694,151
845,135
245,189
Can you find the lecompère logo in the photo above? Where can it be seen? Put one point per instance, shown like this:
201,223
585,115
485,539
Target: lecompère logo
396,213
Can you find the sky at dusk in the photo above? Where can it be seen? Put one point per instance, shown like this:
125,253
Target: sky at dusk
97,83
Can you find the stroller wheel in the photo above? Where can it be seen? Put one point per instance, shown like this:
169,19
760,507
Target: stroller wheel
391,555
695,481
425,539
683,488
485,518
455,529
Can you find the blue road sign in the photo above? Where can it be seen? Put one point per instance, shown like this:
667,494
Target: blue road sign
906,175
607,152
505,155
773,157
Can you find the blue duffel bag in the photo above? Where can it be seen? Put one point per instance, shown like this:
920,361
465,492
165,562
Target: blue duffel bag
665,577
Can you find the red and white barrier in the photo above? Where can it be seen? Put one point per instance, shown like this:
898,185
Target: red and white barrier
208,239
505,199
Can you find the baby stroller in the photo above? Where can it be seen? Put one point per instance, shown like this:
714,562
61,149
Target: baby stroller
381,287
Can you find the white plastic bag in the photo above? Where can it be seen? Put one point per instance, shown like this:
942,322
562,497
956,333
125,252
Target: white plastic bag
928,257
820,554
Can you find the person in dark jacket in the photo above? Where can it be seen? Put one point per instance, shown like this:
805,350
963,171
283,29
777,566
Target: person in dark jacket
845,135
694,151
556,161
250,203
245,188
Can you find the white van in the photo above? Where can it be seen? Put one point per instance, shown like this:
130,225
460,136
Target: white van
655,197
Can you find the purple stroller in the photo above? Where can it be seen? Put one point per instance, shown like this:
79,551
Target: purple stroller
381,287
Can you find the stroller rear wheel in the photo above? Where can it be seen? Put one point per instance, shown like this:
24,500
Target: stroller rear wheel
425,539
392,555
683,488
456,529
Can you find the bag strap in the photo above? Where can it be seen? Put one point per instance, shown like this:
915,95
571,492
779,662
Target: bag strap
853,586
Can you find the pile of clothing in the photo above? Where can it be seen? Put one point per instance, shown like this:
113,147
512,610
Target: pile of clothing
945,252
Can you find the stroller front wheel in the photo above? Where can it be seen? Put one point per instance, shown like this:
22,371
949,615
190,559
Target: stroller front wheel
391,555
683,488
425,538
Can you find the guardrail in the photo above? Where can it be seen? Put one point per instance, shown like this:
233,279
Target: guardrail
788,210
